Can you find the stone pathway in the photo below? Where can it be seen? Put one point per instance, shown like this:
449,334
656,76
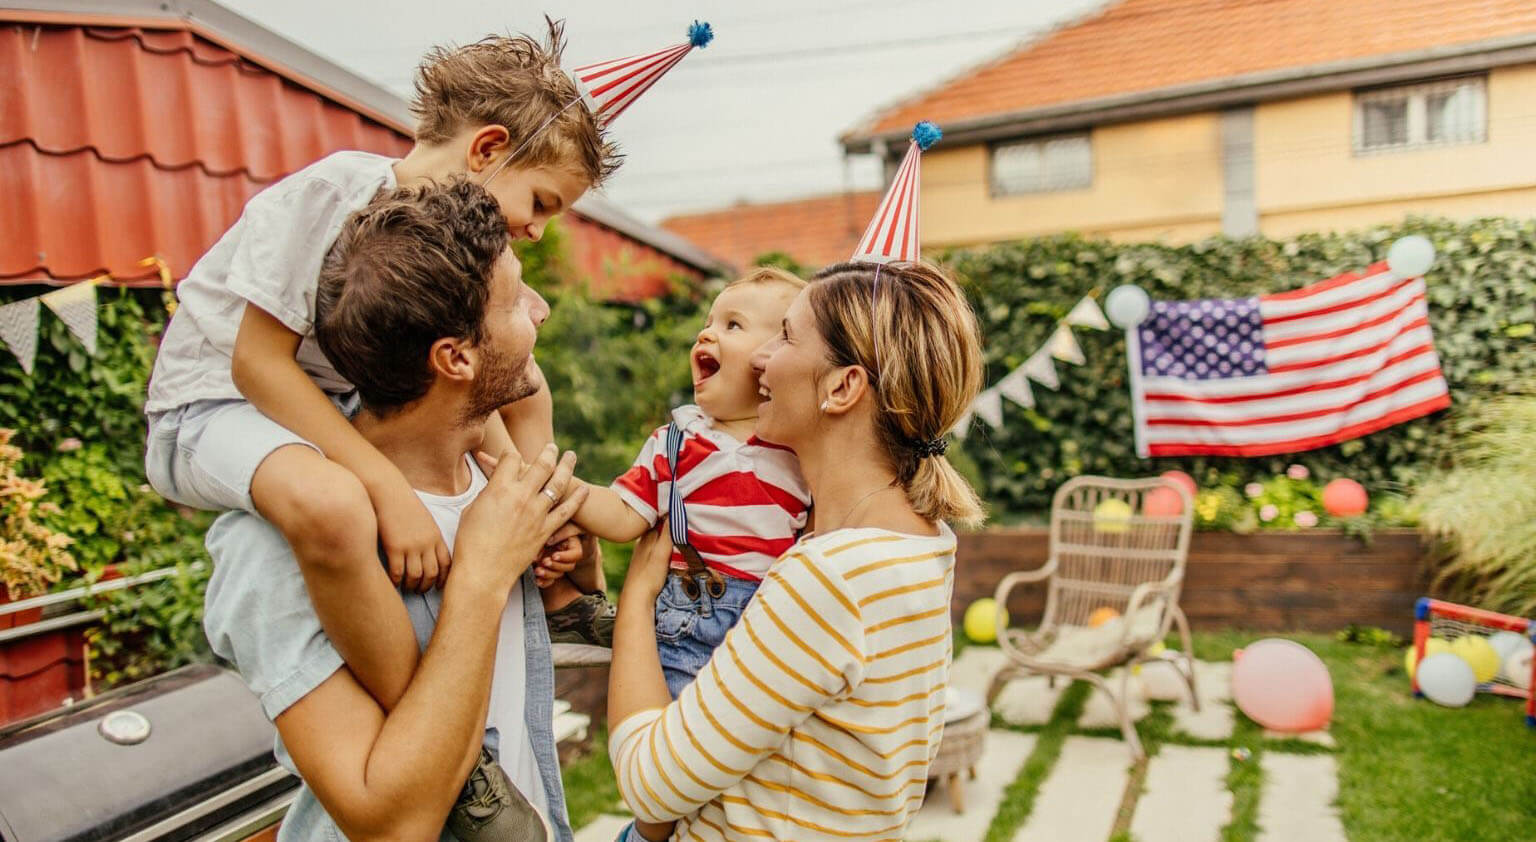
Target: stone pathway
1298,799
1080,798
1184,797
1001,759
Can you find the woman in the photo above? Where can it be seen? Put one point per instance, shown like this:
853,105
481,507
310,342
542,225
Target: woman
819,714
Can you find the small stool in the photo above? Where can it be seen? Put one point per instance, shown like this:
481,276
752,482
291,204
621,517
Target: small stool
965,731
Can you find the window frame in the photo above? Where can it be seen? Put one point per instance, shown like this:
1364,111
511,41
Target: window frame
1416,96
993,188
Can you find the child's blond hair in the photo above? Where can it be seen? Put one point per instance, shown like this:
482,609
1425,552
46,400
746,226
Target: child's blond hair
516,82
769,275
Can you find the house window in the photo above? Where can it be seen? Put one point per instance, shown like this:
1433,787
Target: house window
1040,165
1429,114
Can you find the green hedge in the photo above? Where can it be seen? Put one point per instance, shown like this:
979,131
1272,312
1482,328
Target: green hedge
1481,292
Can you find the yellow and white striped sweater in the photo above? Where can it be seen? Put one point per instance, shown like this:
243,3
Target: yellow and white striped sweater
818,716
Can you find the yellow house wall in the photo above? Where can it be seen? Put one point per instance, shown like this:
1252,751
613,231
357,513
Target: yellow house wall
1162,179
1158,179
1308,178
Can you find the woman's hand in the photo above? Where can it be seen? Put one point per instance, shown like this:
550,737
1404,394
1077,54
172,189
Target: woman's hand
648,568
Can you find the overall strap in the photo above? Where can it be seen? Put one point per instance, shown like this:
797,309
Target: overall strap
677,524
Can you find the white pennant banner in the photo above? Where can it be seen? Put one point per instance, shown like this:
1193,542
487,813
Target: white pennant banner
1041,370
75,305
963,426
989,408
1087,314
1015,387
1063,346
18,329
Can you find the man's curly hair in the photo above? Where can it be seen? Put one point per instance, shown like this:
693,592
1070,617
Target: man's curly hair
410,268
516,82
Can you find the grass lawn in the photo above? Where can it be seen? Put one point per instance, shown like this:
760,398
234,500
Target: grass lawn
1408,769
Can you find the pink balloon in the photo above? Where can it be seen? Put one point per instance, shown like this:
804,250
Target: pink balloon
1182,479
1162,502
1345,498
1282,685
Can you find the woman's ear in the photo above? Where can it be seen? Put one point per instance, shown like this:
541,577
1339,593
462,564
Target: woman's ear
486,145
454,360
846,386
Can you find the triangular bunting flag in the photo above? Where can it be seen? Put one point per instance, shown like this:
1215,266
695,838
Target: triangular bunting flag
1015,387
1041,370
1063,346
18,329
75,305
989,408
963,426
1087,314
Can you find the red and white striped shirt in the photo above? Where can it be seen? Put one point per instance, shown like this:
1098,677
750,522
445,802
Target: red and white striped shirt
746,501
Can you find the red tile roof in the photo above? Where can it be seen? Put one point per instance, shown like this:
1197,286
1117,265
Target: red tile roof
121,142
118,142
816,231
1144,45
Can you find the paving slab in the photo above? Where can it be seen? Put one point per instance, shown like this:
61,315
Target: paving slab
1320,738
604,828
1297,802
1099,711
1184,797
1080,799
1029,700
972,671
1001,759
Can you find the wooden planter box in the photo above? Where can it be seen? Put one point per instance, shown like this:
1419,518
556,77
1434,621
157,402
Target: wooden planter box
1317,580
39,671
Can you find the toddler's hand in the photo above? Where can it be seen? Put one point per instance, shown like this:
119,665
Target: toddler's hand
413,544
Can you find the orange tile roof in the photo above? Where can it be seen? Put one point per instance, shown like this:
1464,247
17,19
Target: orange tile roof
815,231
1145,45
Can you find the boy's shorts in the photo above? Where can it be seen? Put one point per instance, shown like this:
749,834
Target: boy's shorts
688,631
204,454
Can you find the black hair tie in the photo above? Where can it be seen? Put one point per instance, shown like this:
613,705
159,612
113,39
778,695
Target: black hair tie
931,447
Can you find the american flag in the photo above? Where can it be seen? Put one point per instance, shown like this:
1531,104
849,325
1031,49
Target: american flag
1283,373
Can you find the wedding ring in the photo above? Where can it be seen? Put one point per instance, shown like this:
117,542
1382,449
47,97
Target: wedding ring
554,499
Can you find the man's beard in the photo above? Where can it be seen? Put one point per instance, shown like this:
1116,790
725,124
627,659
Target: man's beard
499,382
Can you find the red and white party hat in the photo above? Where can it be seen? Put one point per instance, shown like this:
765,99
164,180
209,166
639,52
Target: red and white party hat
892,235
609,87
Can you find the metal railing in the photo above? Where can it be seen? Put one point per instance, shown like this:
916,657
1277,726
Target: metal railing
75,595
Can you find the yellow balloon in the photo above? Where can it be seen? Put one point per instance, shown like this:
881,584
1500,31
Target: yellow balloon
1433,646
1112,515
1479,654
981,620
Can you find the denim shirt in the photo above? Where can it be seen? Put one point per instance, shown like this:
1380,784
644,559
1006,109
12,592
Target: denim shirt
259,617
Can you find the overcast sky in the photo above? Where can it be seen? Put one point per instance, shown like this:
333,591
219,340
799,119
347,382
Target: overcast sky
754,117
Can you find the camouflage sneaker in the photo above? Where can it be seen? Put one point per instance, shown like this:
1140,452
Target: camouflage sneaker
587,620
490,809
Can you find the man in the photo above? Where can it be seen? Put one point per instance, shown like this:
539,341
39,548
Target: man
422,307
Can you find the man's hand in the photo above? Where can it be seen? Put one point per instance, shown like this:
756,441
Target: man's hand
413,544
502,532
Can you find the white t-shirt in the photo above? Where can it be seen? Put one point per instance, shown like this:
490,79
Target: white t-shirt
270,257
509,682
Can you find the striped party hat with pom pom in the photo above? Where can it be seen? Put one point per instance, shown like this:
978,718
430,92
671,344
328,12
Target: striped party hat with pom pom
612,86
893,233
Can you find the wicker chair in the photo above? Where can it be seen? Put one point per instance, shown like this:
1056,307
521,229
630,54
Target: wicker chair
1120,559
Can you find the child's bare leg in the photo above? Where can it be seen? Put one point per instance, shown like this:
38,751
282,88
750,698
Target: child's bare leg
324,512
559,593
657,832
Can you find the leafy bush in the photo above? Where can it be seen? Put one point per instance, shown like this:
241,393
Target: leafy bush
1484,508
32,556
1482,303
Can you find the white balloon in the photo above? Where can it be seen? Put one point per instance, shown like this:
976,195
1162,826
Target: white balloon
1447,680
1516,668
1506,642
1410,256
1127,305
